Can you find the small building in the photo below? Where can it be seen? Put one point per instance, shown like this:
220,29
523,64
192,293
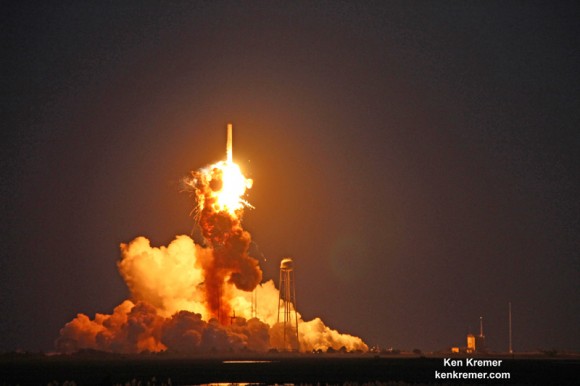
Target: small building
471,347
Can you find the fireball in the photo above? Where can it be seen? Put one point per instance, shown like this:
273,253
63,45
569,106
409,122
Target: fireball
226,182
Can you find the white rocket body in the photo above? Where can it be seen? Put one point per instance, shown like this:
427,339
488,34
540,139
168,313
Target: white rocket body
229,158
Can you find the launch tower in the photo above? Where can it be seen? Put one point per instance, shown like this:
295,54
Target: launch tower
480,339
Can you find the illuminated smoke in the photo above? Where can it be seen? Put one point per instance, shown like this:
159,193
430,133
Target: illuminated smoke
219,190
184,296
168,310
169,278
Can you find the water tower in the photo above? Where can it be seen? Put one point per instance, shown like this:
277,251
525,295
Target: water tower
287,305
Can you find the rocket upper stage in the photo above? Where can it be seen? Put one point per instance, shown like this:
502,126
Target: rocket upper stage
229,158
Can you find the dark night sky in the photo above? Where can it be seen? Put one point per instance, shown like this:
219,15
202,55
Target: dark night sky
418,160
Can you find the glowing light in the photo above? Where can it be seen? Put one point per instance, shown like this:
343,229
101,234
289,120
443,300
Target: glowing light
226,183
233,188
224,186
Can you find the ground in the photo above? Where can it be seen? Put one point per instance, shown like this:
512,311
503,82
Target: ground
95,368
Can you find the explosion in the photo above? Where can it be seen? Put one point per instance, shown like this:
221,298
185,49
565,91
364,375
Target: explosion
190,298
226,185
219,189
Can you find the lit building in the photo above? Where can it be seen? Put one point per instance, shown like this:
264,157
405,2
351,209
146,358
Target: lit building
470,343
476,343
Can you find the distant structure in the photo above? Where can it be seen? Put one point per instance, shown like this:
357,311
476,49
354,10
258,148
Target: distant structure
480,340
476,343
511,351
470,343
287,306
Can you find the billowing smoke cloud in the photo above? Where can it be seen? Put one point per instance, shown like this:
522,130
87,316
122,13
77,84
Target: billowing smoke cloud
169,278
134,328
168,310
189,298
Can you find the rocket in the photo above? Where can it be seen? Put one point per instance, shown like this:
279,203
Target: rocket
229,158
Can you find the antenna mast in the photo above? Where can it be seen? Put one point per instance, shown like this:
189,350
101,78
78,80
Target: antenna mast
510,327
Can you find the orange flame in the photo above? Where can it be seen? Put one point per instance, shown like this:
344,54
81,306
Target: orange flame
234,185
227,184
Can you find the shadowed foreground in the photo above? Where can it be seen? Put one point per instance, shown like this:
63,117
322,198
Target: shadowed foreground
107,369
